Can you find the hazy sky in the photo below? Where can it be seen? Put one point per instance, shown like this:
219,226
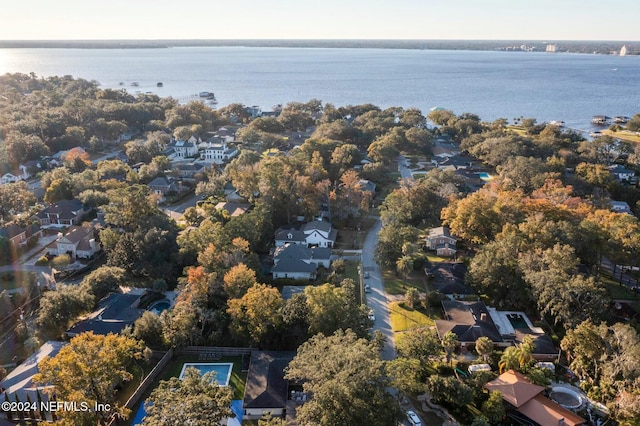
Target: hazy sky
335,19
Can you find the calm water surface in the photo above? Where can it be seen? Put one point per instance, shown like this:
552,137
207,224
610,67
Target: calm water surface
569,87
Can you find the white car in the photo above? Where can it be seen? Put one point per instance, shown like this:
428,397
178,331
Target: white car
413,418
372,316
367,288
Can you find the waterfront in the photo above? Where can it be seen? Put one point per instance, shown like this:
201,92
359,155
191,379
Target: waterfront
568,87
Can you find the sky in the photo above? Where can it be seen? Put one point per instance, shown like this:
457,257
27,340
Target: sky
320,19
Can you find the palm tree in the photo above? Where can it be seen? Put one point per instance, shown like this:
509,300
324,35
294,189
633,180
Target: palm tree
484,347
449,343
510,359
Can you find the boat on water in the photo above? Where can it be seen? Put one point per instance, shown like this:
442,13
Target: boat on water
159,84
208,95
595,134
558,123
135,84
621,119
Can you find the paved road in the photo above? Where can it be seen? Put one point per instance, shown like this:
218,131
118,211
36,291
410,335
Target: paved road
180,208
377,299
405,171
626,279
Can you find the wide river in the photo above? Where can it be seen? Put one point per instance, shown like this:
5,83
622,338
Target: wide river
545,86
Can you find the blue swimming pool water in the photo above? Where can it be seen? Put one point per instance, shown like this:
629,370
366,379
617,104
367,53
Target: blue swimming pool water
160,306
222,370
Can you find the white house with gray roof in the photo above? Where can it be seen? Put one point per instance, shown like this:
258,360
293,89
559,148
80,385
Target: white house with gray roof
317,233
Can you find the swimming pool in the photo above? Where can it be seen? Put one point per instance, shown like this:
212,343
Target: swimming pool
484,176
222,370
159,306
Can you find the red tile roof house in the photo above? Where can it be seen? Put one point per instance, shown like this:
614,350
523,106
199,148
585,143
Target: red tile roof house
527,399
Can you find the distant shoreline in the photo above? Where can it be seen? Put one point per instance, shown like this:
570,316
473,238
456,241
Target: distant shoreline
589,47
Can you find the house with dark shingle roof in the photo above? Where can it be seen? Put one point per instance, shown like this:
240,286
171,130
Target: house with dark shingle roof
266,389
468,321
299,262
114,313
161,185
63,212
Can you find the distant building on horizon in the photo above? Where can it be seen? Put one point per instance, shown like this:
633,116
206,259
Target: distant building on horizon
552,48
623,50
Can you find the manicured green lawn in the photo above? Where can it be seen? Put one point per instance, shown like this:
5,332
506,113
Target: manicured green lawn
624,135
398,285
351,270
139,370
436,259
404,318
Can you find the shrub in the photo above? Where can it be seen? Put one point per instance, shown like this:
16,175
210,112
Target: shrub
42,261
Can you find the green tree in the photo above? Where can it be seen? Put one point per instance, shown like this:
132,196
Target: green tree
346,377
405,375
420,343
58,308
88,370
148,328
493,408
257,315
331,308
58,190
194,400
104,280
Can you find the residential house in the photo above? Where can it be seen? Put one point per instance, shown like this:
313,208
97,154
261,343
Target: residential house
453,162
299,262
218,153
19,384
17,235
79,242
63,212
190,171
184,149
162,185
254,111
448,279
441,240
620,207
468,321
226,133
621,173
233,209
22,173
515,326
266,390
115,312
367,186
316,233
527,399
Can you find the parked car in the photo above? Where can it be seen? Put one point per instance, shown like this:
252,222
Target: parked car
372,316
367,288
366,274
413,418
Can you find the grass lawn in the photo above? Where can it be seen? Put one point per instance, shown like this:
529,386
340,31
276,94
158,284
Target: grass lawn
351,270
436,259
404,318
617,291
237,380
624,135
12,280
350,239
139,370
398,285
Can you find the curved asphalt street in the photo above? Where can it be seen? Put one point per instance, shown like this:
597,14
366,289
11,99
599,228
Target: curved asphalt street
377,298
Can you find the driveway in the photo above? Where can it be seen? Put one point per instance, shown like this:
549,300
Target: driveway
377,298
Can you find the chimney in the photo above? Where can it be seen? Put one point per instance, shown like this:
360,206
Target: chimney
483,316
92,243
